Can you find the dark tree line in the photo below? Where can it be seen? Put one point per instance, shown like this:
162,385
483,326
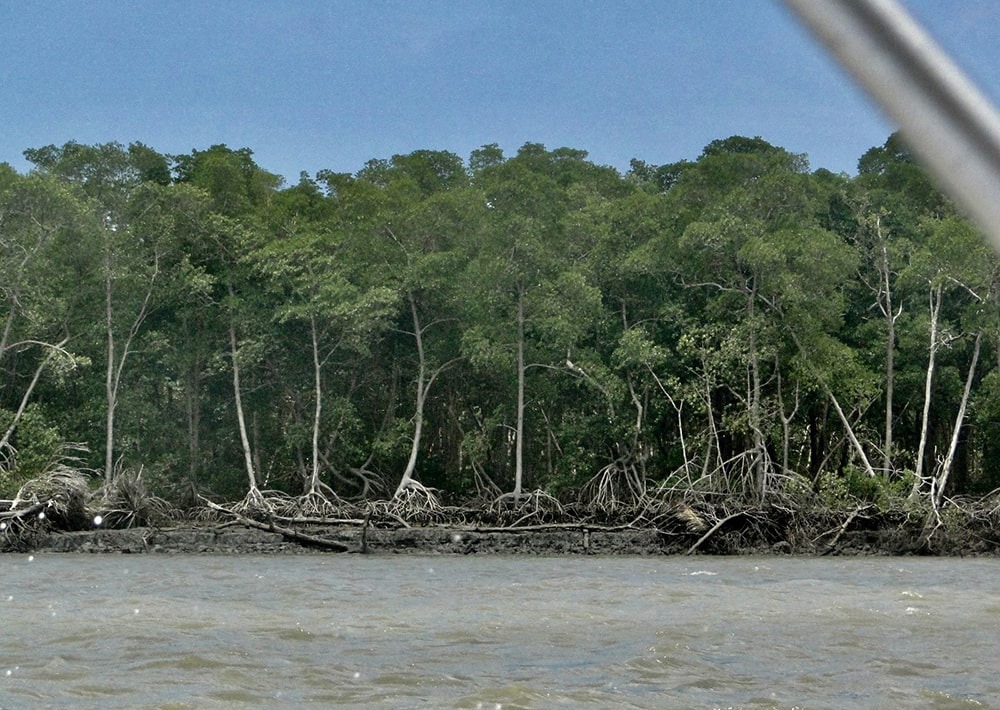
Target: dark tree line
734,325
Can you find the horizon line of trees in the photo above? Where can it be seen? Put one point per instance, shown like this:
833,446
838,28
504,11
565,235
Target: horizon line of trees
735,325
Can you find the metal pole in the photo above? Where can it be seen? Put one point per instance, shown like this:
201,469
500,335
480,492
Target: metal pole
945,119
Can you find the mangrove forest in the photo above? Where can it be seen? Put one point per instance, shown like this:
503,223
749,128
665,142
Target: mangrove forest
534,337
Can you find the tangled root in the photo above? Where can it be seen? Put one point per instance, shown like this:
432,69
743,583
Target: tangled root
534,508
257,504
321,502
618,490
415,503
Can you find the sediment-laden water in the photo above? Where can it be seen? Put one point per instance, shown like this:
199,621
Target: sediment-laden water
497,632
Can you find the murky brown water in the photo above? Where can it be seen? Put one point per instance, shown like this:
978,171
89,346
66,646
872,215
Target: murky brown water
497,632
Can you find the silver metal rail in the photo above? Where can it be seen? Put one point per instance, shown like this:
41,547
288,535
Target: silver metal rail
945,119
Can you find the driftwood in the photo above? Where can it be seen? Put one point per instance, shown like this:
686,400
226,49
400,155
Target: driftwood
304,520
542,527
714,529
843,528
287,533
20,513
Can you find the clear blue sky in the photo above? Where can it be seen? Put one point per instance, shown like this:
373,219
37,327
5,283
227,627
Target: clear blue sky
316,84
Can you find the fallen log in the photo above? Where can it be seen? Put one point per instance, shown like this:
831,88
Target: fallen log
843,528
287,533
20,513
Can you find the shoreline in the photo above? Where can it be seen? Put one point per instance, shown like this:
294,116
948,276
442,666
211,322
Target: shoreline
235,539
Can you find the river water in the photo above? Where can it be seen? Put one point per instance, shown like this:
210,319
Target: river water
494,632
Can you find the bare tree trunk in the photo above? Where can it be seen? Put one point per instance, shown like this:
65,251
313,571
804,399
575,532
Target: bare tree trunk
880,284
786,421
519,444
935,309
886,306
110,384
241,420
318,411
942,479
760,451
678,408
848,429
850,434
8,323
418,416
713,430
116,361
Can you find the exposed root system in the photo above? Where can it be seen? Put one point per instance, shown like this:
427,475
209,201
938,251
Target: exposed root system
417,519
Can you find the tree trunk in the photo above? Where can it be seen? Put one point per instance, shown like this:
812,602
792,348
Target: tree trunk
241,420
713,430
886,306
935,308
850,434
116,361
786,420
418,416
519,444
110,383
942,478
318,411
759,450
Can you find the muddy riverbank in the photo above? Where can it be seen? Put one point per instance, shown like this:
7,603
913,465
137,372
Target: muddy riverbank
539,540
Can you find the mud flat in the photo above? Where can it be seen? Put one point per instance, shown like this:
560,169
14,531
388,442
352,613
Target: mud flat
437,540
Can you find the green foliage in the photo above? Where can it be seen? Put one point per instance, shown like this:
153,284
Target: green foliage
37,447
987,433
693,321
854,487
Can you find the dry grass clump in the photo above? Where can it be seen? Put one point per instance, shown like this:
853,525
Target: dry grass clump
126,502
65,493
57,499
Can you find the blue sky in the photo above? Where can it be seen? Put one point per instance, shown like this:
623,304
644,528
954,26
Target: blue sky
313,85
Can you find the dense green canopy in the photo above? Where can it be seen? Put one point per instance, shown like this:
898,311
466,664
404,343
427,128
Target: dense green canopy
734,324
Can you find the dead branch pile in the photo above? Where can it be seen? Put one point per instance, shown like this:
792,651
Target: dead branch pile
57,499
